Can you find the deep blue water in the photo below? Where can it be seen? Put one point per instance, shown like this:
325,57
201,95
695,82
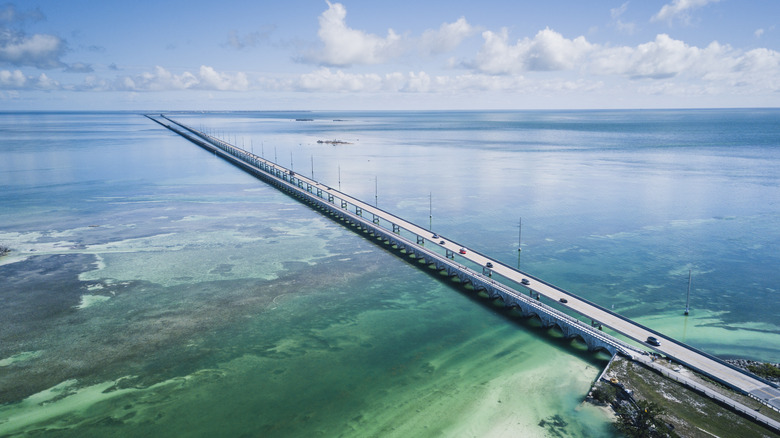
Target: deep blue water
155,289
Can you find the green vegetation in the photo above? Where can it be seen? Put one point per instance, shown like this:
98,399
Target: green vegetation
604,394
643,421
765,370
646,403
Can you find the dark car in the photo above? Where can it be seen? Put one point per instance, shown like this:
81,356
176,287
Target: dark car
525,281
435,236
488,265
441,242
564,300
653,341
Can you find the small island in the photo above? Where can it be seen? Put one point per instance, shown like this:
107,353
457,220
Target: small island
4,250
333,142
646,403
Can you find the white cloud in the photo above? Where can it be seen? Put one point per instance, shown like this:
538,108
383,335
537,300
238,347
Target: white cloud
330,81
679,10
212,80
667,58
622,26
344,46
12,79
714,67
39,50
759,33
663,58
325,80
163,80
16,80
447,37
547,51
19,49
617,12
159,80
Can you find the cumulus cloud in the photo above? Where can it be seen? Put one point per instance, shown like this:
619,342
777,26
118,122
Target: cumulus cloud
212,80
344,46
38,50
447,37
163,80
659,60
680,10
547,51
662,66
666,58
663,58
327,80
22,50
16,80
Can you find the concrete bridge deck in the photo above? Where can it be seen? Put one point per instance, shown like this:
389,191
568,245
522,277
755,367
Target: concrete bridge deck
420,241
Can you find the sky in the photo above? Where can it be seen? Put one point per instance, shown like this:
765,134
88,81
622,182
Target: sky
397,55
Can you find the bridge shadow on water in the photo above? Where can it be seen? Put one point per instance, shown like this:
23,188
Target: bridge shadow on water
553,336
283,180
532,324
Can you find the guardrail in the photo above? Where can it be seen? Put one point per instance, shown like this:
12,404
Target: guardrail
720,398
250,162
251,159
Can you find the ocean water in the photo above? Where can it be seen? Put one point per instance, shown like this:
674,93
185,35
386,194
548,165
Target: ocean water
153,289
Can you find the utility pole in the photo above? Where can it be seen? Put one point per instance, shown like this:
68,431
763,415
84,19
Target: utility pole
519,241
688,296
430,210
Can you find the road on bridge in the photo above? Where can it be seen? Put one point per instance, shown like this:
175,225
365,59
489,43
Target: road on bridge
668,346
678,351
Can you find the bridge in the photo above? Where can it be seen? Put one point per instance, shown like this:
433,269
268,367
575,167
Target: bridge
518,289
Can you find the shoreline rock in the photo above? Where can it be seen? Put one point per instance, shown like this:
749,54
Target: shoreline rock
752,365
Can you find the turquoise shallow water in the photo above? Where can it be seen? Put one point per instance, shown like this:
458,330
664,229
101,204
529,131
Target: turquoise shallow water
154,289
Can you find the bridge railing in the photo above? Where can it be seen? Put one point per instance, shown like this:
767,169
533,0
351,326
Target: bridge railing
250,162
539,307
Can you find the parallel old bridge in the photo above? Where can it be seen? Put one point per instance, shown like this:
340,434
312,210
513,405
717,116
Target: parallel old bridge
523,291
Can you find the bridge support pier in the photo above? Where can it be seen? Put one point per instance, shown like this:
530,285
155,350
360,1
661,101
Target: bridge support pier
482,282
